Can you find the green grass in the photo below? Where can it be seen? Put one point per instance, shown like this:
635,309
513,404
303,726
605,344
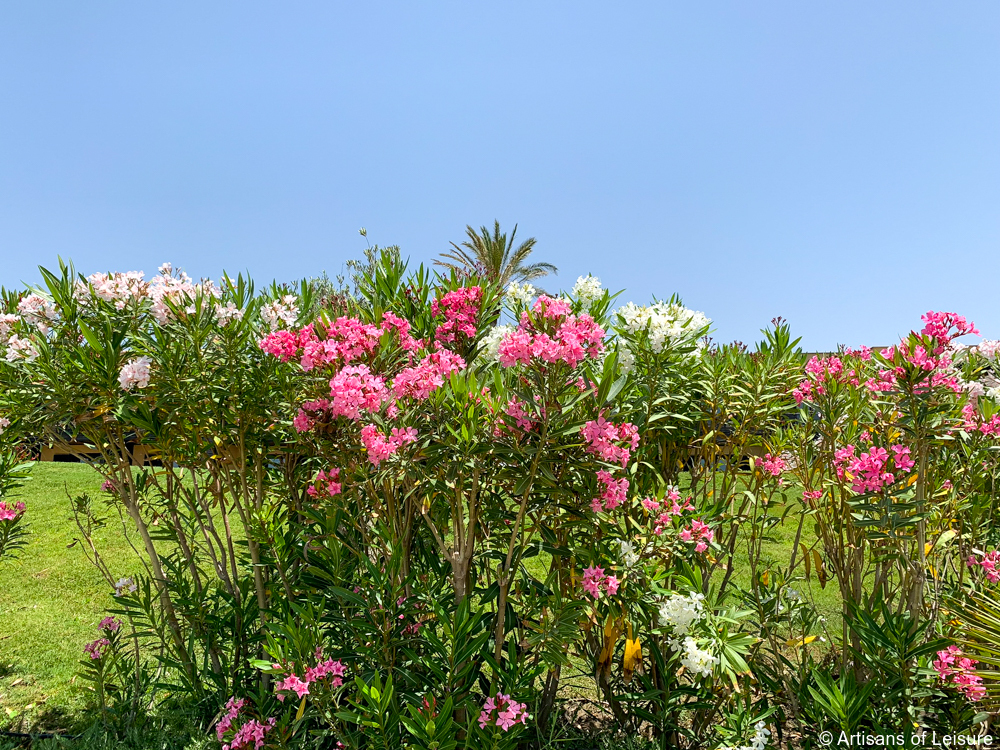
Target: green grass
51,599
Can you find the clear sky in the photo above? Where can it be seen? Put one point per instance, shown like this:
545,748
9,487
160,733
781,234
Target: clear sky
834,163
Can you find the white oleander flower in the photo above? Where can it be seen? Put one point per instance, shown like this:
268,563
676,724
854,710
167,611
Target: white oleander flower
629,556
694,659
587,288
666,322
522,293
681,612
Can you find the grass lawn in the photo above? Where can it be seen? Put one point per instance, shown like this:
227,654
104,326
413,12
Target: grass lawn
51,599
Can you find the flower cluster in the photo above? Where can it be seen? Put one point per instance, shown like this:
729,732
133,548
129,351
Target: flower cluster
503,712
629,556
759,741
96,649
460,309
568,338
37,311
988,562
325,484
421,380
867,472
613,443
328,668
252,732
946,326
954,667
380,446
699,533
693,658
118,288
354,389
19,349
110,624
587,289
10,510
614,493
974,421
681,612
773,465
125,586
666,323
520,293
231,711
135,373
280,311
594,580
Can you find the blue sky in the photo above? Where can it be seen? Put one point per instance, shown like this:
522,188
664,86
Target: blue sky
834,163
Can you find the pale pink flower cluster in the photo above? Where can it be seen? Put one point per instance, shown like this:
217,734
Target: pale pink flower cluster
21,349
7,323
325,484
460,309
503,711
135,373
428,375
118,288
602,436
96,649
954,667
988,562
173,288
868,471
699,533
570,340
773,465
10,510
812,494
284,311
38,311
125,586
4,424
614,493
594,581
380,446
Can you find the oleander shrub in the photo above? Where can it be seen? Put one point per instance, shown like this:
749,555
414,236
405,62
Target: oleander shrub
399,514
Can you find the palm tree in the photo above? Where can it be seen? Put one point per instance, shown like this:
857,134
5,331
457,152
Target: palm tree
494,256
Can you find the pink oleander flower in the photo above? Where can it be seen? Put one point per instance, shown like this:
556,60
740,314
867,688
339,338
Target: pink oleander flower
603,438
460,309
4,424
503,712
569,340
325,484
427,376
773,465
699,533
110,624
940,325
812,494
231,711
251,732
954,667
868,472
292,683
135,373
10,510
594,581
325,669
380,446
96,649
988,562
614,493
38,311
355,389
551,307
